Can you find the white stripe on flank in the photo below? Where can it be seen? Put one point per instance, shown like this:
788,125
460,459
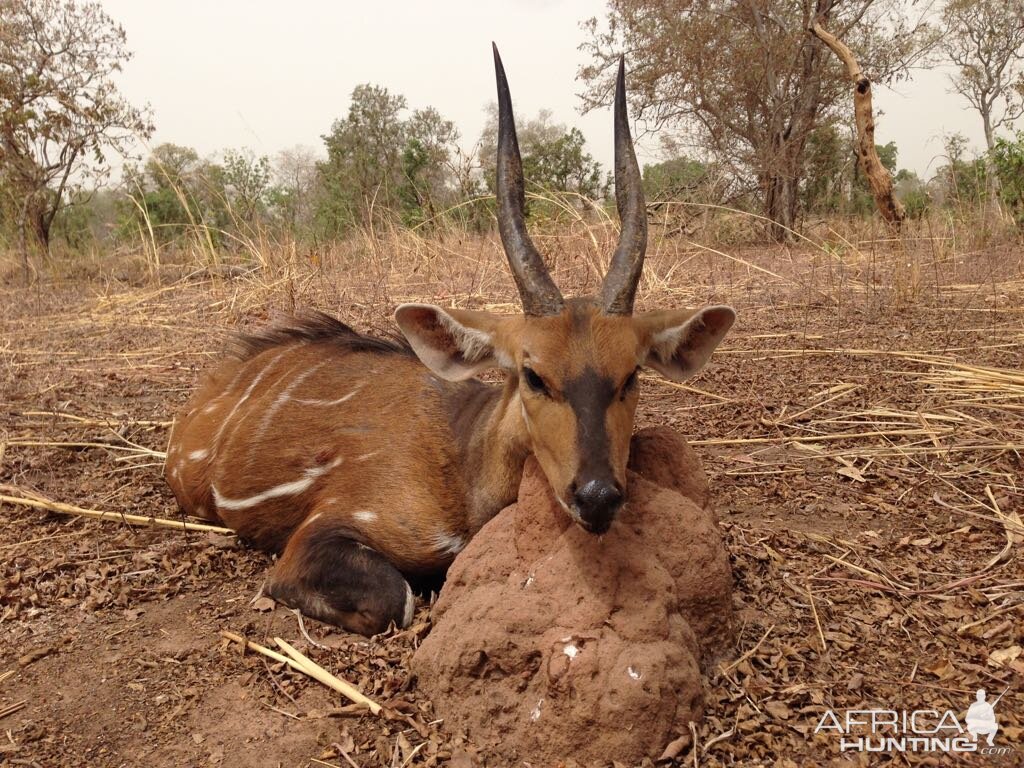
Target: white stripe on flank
448,544
199,455
365,516
285,489
328,403
248,391
366,456
234,380
284,397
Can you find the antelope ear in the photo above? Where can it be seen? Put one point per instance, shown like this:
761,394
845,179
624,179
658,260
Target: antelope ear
454,343
680,342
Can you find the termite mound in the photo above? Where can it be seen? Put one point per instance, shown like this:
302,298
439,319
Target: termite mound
550,643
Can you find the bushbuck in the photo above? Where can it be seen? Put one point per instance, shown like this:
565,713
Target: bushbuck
363,468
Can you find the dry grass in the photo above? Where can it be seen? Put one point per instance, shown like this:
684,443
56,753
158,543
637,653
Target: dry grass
863,428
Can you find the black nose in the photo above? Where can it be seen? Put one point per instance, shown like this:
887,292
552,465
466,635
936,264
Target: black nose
597,501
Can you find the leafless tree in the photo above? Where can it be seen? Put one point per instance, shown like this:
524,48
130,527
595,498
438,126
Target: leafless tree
985,39
296,176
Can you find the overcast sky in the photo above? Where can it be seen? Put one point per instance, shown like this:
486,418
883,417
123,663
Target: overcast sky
271,75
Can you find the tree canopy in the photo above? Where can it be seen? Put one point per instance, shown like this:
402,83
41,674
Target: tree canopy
985,40
744,83
61,113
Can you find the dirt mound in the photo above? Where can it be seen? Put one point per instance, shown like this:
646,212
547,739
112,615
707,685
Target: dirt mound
550,643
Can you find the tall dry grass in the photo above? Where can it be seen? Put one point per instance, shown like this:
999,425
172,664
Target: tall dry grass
839,261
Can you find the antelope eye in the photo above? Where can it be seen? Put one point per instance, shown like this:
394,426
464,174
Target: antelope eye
535,382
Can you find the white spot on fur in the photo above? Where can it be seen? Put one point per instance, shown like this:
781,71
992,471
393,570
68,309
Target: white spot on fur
301,485
535,712
410,607
211,407
448,544
199,455
571,651
633,673
365,516
366,456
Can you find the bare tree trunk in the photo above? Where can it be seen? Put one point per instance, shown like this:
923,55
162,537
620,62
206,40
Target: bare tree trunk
42,223
23,241
780,206
986,119
877,175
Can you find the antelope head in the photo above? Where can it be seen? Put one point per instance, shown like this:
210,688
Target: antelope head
572,362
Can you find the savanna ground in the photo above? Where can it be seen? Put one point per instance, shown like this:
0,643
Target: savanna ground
862,427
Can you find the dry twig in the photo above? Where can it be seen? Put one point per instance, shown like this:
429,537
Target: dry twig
307,666
123,517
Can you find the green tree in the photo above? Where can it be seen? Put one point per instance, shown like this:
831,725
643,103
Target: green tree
429,139
963,181
672,179
913,193
1008,163
164,194
379,161
744,80
60,112
554,157
563,165
682,190
243,181
826,166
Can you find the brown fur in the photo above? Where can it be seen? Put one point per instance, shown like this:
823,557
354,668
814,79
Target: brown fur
313,433
388,450
317,441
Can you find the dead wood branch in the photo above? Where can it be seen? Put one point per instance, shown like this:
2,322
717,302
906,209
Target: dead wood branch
877,174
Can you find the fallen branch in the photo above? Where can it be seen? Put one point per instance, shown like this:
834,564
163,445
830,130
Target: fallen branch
12,708
748,654
96,514
314,670
307,666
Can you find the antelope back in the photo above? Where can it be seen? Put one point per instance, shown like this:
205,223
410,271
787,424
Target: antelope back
305,423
